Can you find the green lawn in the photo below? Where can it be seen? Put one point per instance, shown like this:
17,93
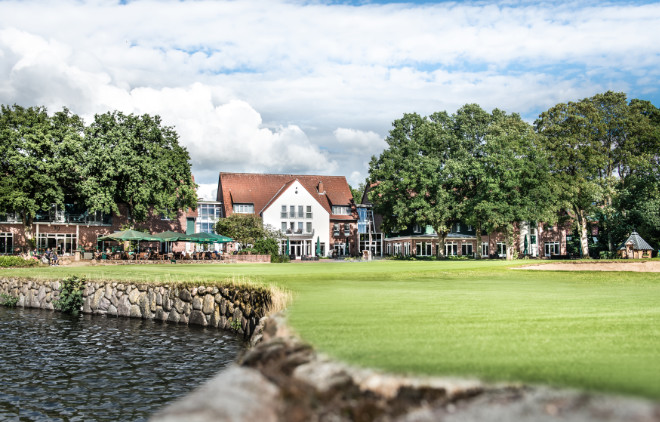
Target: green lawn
596,331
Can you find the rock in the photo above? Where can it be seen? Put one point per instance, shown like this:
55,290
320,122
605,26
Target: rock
112,310
135,312
185,295
173,316
104,304
124,308
159,299
108,291
209,304
96,298
201,290
133,296
218,298
178,305
197,318
239,394
197,303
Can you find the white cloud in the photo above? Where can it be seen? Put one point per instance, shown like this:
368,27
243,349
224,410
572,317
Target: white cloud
313,88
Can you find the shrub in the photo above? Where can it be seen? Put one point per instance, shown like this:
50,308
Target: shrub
8,300
280,259
17,261
71,295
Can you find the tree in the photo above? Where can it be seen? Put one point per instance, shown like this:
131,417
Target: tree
246,229
38,161
136,161
594,145
412,183
358,192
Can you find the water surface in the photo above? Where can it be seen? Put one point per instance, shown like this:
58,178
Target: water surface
58,367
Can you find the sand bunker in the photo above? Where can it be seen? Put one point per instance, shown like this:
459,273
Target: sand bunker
646,267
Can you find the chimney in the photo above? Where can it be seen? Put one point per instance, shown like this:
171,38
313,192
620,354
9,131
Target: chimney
321,189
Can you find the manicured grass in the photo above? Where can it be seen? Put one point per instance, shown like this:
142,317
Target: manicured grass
595,331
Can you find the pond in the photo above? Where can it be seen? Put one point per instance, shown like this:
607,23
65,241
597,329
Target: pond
59,367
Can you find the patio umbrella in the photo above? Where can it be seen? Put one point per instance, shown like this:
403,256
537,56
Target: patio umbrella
168,237
525,253
288,247
318,246
205,238
128,235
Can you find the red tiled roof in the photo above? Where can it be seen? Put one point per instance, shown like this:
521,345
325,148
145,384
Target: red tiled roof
262,189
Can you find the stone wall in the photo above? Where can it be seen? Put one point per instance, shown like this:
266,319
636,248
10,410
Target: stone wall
237,308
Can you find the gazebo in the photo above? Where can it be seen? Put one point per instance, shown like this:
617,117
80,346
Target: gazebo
635,248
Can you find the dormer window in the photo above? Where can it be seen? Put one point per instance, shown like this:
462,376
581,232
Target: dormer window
341,210
417,228
244,208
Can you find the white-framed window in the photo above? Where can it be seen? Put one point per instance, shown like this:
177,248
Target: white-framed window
397,249
466,249
341,210
551,248
469,228
417,228
300,211
424,248
244,208
501,248
300,227
309,212
485,249
347,229
6,243
309,227
283,226
389,249
292,211
10,217
451,249
335,229
283,213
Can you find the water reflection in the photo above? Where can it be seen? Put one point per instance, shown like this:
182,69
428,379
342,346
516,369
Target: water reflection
57,367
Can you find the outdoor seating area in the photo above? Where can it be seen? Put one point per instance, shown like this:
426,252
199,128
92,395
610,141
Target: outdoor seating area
158,247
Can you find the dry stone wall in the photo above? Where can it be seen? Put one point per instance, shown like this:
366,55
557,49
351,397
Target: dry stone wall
228,307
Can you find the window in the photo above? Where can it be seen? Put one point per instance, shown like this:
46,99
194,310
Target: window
335,229
417,228
309,211
6,243
389,249
9,217
292,227
458,227
347,229
283,213
244,208
466,249
551,248
165,215
533,239
300,227
341,210
501,248
292,211
283,226
451,249
424,249
300,212
469,228
309,227
484,249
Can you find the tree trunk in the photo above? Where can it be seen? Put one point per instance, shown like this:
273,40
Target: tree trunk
477,253
441,243
29,233
509,244
582,226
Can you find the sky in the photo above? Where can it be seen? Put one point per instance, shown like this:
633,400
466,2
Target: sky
312,87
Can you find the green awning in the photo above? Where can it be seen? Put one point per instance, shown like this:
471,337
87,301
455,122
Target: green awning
124,235
205,238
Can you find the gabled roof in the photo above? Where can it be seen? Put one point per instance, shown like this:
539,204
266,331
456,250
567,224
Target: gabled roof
638,243
263,189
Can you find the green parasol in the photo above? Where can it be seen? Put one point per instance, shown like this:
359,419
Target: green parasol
525,252
318,246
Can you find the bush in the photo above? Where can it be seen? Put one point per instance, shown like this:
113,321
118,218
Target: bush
71,295
266,246
17,261
8,300
279,259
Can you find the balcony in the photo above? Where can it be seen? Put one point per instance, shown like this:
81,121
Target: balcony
95,219
299,233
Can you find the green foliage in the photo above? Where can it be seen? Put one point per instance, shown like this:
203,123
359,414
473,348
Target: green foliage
134,160
38,161
235,324
358,192
8,300
246,229
266,246
71,295
7,261
280,259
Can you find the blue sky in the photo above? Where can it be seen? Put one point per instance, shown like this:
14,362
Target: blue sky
312,87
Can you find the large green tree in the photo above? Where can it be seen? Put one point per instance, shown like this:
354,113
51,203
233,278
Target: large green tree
246,229
595,146
135,160
413,184
38,162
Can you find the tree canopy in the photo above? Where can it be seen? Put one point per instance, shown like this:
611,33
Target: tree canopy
134,160
49,161
246,229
